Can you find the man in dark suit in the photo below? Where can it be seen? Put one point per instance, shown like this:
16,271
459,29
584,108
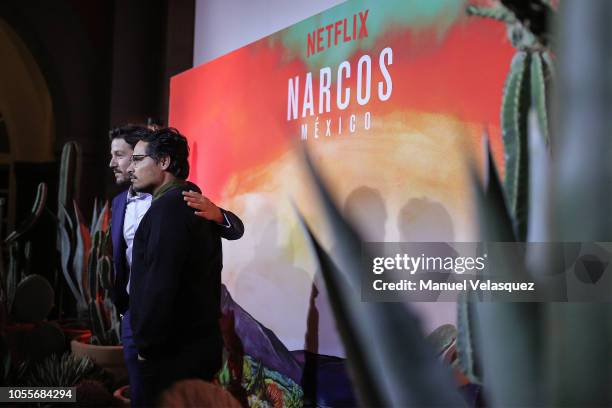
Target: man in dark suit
128,208
176,271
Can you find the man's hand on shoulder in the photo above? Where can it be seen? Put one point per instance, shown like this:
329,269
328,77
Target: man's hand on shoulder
204,207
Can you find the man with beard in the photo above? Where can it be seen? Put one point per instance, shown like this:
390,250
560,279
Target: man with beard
128,209
176,272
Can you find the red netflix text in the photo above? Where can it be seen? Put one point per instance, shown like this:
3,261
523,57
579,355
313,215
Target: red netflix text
342,31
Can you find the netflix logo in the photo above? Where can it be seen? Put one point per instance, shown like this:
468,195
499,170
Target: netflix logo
341,31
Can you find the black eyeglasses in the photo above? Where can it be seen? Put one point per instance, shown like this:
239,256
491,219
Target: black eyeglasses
138,157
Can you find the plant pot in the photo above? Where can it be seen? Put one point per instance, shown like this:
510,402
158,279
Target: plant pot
108,357
122,395
73,328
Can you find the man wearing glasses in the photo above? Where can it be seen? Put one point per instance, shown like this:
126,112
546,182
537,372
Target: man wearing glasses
128,209
175,284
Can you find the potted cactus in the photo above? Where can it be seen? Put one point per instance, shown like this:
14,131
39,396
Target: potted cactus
91,286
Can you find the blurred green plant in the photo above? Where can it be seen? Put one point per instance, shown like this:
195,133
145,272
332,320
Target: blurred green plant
390,361
547,354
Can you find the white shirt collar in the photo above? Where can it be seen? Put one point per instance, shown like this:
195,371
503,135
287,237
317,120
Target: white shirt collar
136,195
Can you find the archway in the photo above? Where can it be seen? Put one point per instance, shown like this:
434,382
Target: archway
26,117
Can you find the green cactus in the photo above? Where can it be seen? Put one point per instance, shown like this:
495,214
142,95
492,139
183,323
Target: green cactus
515,106
103,316
20,249
527,86
26,226
104,272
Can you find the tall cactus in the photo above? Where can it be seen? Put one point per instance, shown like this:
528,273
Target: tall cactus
69,182
527,86
103,316
20,248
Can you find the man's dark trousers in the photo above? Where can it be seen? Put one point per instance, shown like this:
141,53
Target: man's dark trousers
130,353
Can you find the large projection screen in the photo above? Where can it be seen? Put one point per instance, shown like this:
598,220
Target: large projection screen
390,98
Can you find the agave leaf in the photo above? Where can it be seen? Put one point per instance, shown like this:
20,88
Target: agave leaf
578,360
545,260
539,229
583,175
69,180
515,105
341,300
509,338
349,237
510,377
93,285
66,248
68,219
466,340
103,219
539,94
94,216
82,250
494,218
403,365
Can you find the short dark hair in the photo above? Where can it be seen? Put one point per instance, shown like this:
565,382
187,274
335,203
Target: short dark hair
132,134
169,142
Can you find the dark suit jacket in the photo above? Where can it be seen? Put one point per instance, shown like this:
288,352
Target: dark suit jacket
121,271
175,284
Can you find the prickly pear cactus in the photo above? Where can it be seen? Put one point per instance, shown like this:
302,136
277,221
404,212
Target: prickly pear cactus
34,299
